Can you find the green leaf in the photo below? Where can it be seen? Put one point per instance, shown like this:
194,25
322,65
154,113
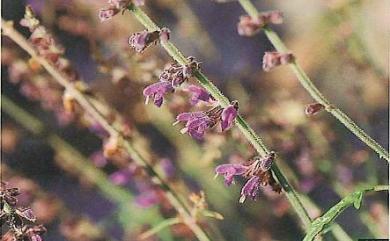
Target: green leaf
358,200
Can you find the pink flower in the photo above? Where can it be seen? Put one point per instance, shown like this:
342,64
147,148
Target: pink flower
108,13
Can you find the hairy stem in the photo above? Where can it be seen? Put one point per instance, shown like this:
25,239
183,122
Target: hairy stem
315,93
85,103
247,131
354,198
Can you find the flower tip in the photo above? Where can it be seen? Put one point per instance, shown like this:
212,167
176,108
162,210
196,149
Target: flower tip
242,199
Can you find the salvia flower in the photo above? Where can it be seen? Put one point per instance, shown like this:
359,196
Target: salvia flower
198,94
116,6
313,109
141,40
228,115
198,122
178,74
157,92
249,26
274,59
229,171
257,172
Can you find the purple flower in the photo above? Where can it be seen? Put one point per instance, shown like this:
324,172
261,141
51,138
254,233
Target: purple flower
196,123
147,199
198,94
250,189
228,115
121,177
119,4
168,167
107,13
157,91
274,59
229,171
98,159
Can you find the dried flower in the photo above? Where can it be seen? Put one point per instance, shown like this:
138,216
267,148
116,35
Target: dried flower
108,13
178,74
141,40
273,59
249,26
69,102
198,94
29,21
157,92
112,146
228,115
313,109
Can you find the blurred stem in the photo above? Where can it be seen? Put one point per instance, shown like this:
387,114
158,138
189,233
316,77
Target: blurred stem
312,89
84,102
354,198
71,157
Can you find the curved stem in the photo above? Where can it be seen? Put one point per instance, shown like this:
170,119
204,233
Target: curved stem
354,198
246,130
85,103
315,93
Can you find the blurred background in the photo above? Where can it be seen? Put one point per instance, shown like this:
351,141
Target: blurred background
78,194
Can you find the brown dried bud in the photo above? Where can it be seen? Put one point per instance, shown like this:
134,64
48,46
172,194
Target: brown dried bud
249,26
112,146
313,109
273,59
69,102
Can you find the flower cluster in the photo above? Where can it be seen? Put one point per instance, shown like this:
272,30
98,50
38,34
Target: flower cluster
116,6
46,45
258,173
20,221
196,123
172,77
274,59
141,40
249,26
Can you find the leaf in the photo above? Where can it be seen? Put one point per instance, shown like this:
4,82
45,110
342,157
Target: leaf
212,214
358,200
159,227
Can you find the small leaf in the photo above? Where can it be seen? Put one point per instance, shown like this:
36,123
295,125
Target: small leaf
212,214
358,200
159,227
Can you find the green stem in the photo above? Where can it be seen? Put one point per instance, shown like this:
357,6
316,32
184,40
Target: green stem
91,109
313,90
247,131
354,198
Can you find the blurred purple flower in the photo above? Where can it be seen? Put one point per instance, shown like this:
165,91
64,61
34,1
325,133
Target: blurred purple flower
168,167
147,199
121,177
98,159
198,94
229,171
157,92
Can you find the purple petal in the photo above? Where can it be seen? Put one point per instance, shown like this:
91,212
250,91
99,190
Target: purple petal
147,199
250,189
227,117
